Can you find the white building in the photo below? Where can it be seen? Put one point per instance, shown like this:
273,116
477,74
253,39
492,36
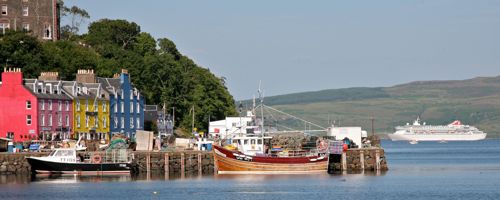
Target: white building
356,134
233,126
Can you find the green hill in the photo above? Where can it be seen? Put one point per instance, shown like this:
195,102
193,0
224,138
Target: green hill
474,101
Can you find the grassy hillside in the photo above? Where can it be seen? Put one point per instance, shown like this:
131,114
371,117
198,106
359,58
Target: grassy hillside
474,101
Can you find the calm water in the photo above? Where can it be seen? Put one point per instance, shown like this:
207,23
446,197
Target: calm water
455,170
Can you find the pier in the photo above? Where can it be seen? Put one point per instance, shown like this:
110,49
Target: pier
357,160
181,163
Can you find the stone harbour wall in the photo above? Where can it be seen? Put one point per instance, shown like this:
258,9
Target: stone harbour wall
367,159
184,162
15,163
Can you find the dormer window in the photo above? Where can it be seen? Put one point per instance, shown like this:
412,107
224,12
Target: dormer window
28,104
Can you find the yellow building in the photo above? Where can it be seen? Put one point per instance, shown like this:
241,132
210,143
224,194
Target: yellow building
90,108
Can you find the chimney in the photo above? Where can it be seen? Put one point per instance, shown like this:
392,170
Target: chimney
12,76
85,76
116,75
49,76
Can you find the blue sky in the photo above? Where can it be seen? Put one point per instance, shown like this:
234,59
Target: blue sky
295,46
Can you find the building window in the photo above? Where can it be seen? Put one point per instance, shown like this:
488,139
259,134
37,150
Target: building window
28,104
10,135
67,105
104,122
138,106
78,105
116,107
87,120
43,120
50,120
47,32
59,106
123,122
86,105
42,104
116,122
131,107
96,106
4,10
59,120
67,120
131,95
25,11
26,27
122,106
96,122
131,122
103,106
4,27
50,104
78,121
138,120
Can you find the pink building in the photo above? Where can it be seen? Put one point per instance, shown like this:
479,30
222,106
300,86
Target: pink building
55,117
19,107
34,109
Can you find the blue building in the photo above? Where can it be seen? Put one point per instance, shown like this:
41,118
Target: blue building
126,105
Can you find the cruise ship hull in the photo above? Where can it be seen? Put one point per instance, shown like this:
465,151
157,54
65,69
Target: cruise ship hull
437,137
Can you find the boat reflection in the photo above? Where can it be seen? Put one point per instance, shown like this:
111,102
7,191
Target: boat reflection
68,178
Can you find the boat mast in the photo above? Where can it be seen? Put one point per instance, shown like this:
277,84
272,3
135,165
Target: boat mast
261,97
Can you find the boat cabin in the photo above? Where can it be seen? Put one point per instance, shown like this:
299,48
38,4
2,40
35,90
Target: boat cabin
62,155
251,145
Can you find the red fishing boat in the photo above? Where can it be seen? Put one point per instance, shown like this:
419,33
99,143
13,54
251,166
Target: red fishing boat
250,157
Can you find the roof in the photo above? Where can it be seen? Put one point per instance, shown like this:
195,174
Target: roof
111,84
46,89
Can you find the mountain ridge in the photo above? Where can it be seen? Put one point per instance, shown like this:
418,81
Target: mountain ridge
474,101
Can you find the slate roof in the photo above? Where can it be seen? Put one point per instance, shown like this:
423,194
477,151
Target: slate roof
33,86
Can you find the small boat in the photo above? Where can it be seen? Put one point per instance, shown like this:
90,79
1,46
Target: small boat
251,159
413,142
69,161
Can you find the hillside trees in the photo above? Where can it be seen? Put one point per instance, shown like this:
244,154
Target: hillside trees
156,67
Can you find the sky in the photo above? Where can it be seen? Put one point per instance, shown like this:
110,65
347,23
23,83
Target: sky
296,45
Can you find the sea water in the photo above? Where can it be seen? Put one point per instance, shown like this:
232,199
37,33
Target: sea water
428,170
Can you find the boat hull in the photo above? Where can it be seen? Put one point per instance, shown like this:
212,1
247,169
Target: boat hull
226,163
49,167
436,137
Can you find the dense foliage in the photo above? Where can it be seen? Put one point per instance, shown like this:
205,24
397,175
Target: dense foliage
163,75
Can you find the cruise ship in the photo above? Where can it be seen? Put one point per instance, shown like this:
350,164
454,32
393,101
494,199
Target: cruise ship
456,131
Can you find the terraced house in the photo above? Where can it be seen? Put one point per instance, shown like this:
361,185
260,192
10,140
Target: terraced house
55,113
126,104
90,106
19,108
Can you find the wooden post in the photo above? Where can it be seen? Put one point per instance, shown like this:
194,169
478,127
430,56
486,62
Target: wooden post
216,167
167,163
362,159
200,168
148,166
148,163
377,159
183,168
344,161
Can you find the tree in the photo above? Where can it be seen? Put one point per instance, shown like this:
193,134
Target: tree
145,44
107,32
76,17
